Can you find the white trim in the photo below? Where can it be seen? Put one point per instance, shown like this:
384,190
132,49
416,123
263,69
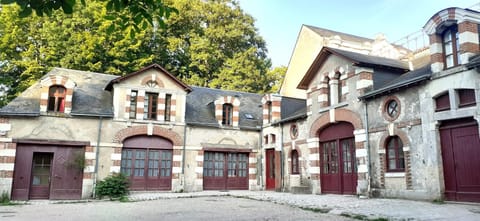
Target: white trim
114,169
395,174
7,166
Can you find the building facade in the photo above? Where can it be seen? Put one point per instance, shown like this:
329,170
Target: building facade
354,116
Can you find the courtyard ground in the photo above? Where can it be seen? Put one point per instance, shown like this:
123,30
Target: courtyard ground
241,205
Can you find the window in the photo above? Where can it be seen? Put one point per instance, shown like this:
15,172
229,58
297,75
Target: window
391,108
133,104
466,97
151,84
269,108
395,157
265,138
227,114
295,166
293,131
150,106
451,47
274,138
56,98
442,102
168,106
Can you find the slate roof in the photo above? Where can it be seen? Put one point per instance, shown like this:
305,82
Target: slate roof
201,107
326,32
405,80
89,97
292,108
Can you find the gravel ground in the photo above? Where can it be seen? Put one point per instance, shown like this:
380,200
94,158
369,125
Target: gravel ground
241,205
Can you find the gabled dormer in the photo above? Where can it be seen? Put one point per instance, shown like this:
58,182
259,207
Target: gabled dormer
271,108
150,94
56,94
454,37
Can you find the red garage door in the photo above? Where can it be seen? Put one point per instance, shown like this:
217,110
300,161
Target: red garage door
147,162
461,160
225,171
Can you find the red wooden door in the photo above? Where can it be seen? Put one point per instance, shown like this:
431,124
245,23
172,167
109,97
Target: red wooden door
67,175
337,159
270,169
225,171
147,162
41,175
461,153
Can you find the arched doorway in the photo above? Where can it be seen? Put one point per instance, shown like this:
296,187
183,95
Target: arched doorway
338,172
147,162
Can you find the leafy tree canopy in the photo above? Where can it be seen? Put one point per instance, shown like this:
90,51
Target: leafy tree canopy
211,43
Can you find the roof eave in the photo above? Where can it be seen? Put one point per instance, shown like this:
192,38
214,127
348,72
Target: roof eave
385,90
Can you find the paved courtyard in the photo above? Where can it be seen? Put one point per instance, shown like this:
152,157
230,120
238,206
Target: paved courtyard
241,205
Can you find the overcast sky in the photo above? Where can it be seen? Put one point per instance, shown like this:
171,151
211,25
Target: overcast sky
279,21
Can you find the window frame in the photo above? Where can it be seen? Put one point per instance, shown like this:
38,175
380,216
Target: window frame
396,143
466,97
453,44
227,114
133,104
295,162
150,106
444,101
57,97
168,107
269,111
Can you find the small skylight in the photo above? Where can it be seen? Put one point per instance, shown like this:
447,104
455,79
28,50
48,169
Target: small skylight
249,116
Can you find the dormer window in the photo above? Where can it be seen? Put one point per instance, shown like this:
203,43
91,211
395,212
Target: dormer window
451,46
227,114
269,108
56,98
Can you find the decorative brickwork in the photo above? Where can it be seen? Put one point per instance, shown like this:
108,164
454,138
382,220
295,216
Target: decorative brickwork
53,80
383,161
274,110
235,102
142,130
153,78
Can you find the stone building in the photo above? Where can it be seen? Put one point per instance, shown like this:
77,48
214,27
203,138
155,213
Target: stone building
353,116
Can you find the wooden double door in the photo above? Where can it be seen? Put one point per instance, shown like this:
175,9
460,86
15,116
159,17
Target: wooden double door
45,171
461,159
338,173
147,162
225,170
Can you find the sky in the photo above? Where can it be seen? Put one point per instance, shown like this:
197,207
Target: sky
279,21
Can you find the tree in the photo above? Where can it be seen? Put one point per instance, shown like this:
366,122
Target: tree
128,14
211,43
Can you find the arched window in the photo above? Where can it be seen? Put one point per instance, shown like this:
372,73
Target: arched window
295,164
227,114
56,98
395,156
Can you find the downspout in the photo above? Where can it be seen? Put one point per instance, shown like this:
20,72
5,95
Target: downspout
97,153
184,152
282,169
367,143
260,151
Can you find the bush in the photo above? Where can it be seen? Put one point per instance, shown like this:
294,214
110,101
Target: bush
114,186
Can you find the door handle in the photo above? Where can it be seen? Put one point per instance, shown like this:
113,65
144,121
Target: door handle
57,176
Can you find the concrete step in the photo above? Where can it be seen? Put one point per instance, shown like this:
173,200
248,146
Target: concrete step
300,190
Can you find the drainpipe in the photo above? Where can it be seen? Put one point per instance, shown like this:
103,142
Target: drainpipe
184,151
260,152
97,153
282,169
367,143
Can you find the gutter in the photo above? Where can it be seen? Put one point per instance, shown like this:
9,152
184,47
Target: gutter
27,114
394,86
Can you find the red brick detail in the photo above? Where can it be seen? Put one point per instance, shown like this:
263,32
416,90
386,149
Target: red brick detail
434,38
467,26
199,163
87,175
315,176
252,165
340,115
252,176
142,130
253,155
116,163
408,170
4,120
314,150
437,57
383,168
88,149
451,13
89,162
43,102
117,150
11,146
177,152
7,159
176,163
200,153
402,135
175,176
315,163
359,145
149,78
469,47
199,176
365,76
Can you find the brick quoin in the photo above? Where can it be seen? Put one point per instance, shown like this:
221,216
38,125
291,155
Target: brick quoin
340,115
469,47
435,39
252,176
467,26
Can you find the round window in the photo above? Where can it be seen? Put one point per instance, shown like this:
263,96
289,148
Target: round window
392,108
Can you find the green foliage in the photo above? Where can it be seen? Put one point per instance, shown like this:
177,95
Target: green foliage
5,199
114,186
210,43
128,15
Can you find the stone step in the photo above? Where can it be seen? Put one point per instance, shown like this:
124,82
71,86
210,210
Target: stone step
300,190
